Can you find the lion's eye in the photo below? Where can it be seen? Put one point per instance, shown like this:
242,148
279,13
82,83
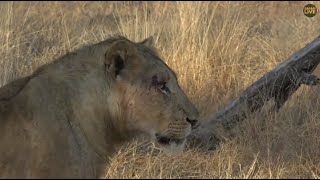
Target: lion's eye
161,85
164,89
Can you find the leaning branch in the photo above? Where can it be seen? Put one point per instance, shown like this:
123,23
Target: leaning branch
279,84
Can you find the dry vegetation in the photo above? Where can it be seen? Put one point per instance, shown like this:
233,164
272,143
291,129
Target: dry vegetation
216,48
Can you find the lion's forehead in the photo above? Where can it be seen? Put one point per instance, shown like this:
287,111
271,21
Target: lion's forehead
155,61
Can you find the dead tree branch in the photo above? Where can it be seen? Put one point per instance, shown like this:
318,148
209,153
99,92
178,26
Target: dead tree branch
280,84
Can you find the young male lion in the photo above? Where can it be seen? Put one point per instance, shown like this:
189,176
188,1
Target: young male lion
67,118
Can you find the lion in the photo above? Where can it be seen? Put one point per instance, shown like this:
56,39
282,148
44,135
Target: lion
67,119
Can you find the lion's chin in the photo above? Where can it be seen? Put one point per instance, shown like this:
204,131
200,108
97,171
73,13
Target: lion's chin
172,148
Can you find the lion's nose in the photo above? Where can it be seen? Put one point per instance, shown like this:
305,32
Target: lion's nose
194,123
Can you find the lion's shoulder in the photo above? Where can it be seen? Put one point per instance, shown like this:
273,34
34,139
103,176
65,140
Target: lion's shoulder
13,88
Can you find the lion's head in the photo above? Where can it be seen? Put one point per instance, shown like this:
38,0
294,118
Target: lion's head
150,100
66,119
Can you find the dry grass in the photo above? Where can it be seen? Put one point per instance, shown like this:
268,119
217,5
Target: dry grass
216,48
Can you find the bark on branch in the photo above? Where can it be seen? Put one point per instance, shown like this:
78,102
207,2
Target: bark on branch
280,84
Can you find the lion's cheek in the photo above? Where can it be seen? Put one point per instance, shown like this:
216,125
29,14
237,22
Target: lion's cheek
147,111
155,120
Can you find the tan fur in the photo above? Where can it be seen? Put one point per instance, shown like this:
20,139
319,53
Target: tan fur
68,118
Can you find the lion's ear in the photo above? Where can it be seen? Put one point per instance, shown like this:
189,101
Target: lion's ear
116,57
148,42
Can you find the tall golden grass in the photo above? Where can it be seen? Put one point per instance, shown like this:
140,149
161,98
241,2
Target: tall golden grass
216,49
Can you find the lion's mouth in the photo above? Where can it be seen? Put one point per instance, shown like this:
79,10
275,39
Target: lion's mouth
164,140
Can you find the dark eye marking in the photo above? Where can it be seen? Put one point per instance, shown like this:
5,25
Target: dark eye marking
155,80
